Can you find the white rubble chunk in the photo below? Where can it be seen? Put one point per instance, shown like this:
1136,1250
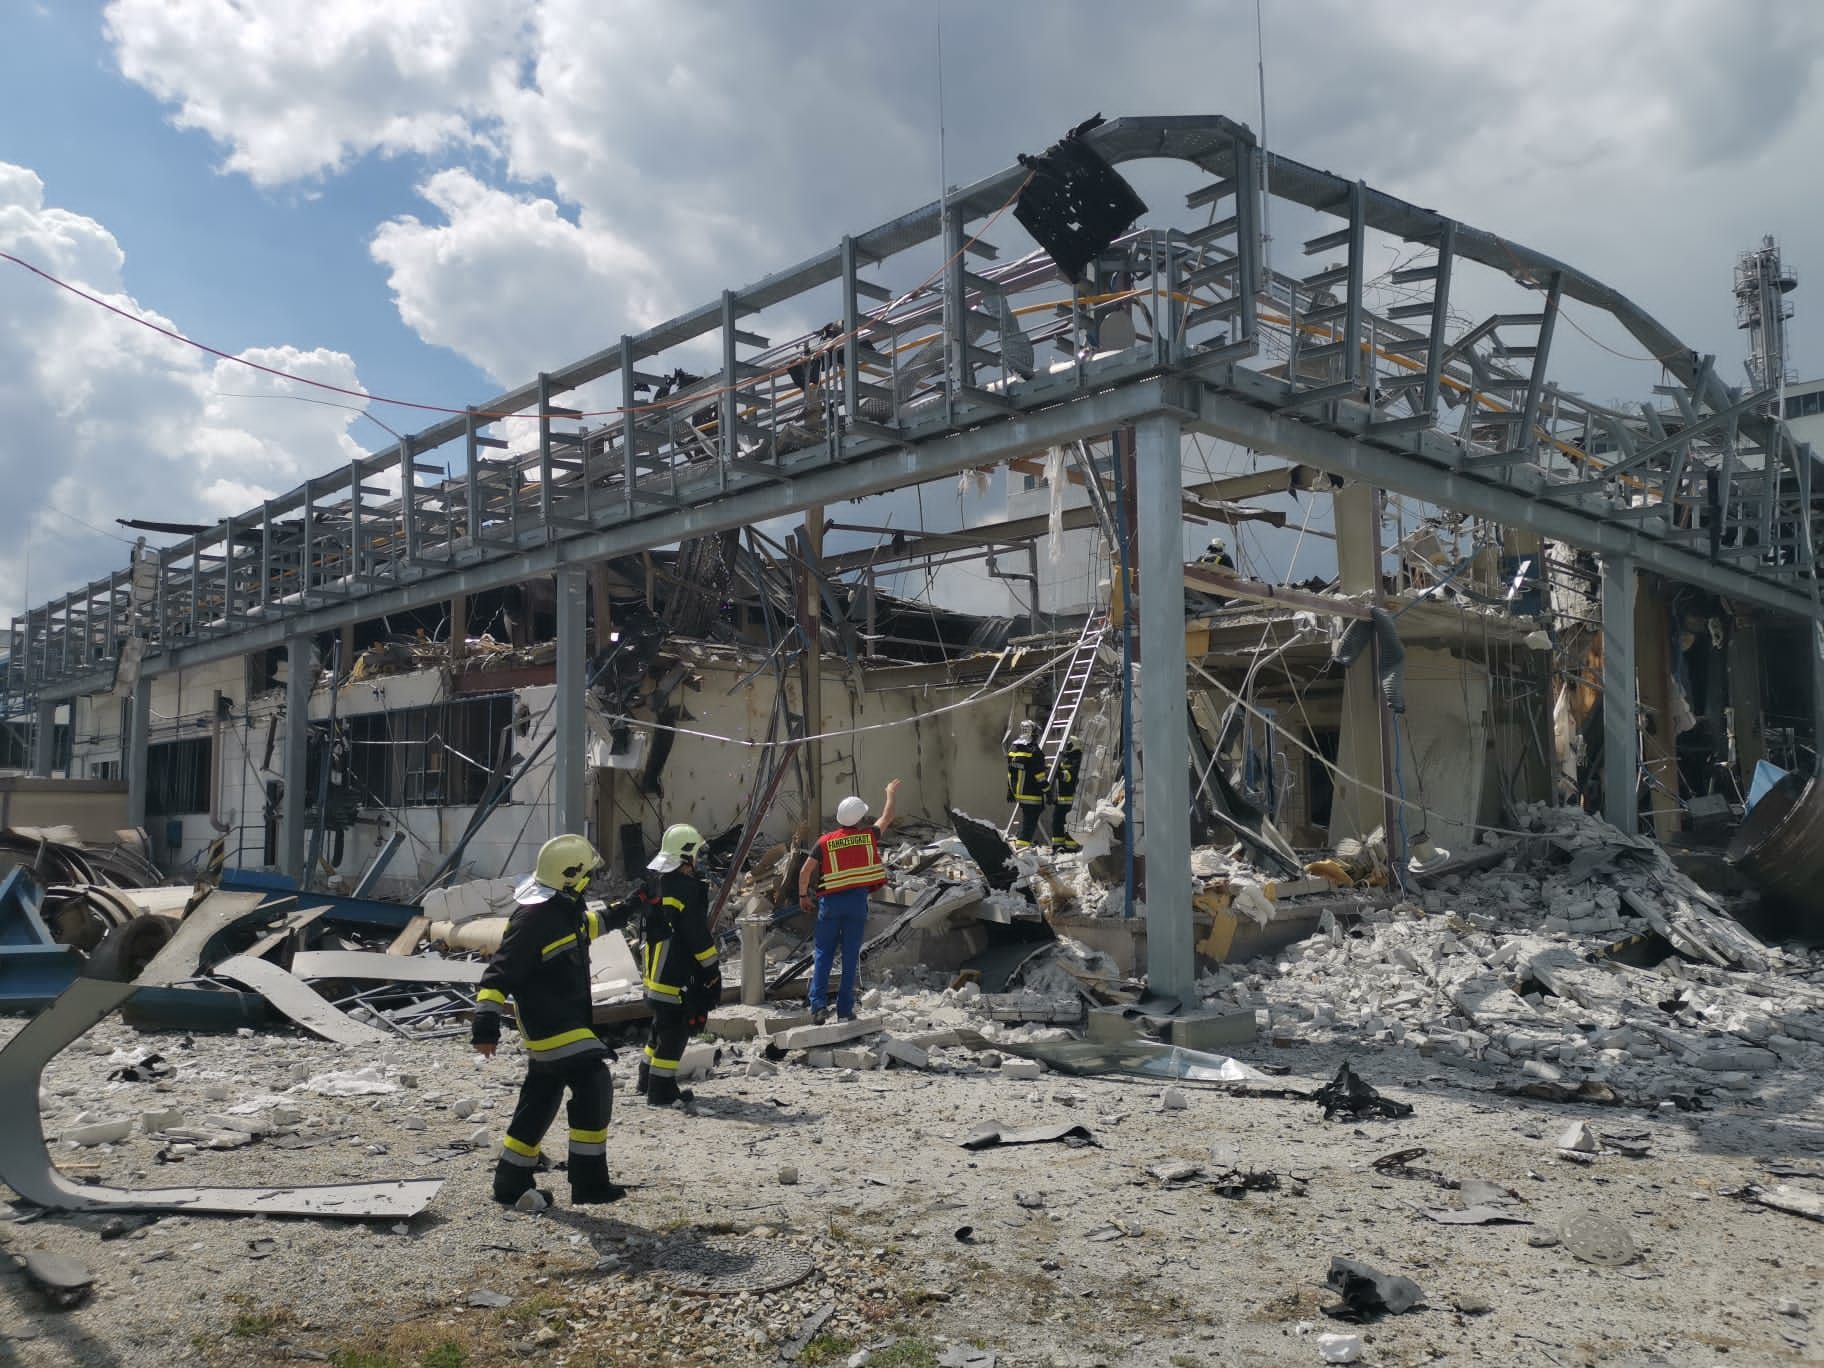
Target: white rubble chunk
1579,1139
1334,1348
100,1132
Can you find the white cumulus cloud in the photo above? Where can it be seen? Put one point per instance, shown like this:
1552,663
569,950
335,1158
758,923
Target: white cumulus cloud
107,419
509,282
299,90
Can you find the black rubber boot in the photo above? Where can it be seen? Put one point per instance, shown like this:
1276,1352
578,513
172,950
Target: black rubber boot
589,1182
512,1181
663,1091
642,1077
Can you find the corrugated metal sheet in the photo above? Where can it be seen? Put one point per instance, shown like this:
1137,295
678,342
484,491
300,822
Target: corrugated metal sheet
1781,844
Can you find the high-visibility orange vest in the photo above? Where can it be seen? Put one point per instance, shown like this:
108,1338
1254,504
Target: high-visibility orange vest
850,857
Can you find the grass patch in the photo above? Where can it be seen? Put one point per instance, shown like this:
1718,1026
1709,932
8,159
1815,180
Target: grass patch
449,1354
1186,1361
906,1353
255,1324
533,1308
826,1349
361,1358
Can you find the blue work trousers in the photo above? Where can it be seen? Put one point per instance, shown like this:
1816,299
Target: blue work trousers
842,920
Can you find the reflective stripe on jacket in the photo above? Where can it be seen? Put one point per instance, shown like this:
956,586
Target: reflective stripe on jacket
679,949
1025,774
850,858
543,965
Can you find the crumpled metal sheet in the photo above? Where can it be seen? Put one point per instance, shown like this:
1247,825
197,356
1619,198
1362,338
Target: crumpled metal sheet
25,1161
1141,1058
993,1134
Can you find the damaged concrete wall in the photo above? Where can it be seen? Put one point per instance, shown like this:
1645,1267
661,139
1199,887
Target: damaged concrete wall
1444,746
944,760
952,759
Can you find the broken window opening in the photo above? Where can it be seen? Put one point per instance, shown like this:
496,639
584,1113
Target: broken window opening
177,777
434,756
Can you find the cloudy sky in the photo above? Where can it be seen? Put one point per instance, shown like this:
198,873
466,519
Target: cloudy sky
435,199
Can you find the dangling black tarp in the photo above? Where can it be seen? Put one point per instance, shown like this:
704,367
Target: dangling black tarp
1076,203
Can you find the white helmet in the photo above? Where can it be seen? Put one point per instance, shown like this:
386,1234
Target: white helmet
682,842
851,810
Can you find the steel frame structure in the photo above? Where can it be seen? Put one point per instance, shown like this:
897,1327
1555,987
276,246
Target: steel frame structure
1699,483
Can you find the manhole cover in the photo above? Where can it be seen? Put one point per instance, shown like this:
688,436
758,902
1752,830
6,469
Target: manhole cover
722,1267
1598,1240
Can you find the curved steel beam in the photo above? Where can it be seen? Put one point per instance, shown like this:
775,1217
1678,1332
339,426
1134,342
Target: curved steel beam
25,1160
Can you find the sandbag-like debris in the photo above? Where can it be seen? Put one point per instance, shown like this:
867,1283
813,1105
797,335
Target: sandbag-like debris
1348,1096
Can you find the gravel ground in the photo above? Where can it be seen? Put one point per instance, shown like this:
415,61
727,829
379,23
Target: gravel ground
1078,1255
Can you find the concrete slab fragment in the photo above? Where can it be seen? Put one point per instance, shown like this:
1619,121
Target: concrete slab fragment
831,1033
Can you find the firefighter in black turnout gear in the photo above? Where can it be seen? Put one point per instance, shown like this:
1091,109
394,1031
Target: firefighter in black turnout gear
678,963
543,965
1026,781
1064,795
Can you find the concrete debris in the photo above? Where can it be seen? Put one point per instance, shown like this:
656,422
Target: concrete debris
100,1132
60,1280
1367,1292
1784,1197
1334,1348
1579,1138
531,1202
832,1033
363,1082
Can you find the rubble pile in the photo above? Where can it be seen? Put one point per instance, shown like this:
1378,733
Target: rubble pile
1584,962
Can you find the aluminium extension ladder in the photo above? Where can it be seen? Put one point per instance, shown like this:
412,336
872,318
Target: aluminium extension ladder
1071,691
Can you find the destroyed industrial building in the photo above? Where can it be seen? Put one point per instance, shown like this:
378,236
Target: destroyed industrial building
1484,735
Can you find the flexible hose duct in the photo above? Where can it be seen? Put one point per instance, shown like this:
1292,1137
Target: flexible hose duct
1379,629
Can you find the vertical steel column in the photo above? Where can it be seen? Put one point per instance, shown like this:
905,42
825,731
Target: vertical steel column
630,426
572,812
1620,736
408,503
229,604
544,458
1171,967
355,584
268,594
297,756
1440,319
956,311
1249,235
44,737
851,327
472,476
728,444
1814,639
133,750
